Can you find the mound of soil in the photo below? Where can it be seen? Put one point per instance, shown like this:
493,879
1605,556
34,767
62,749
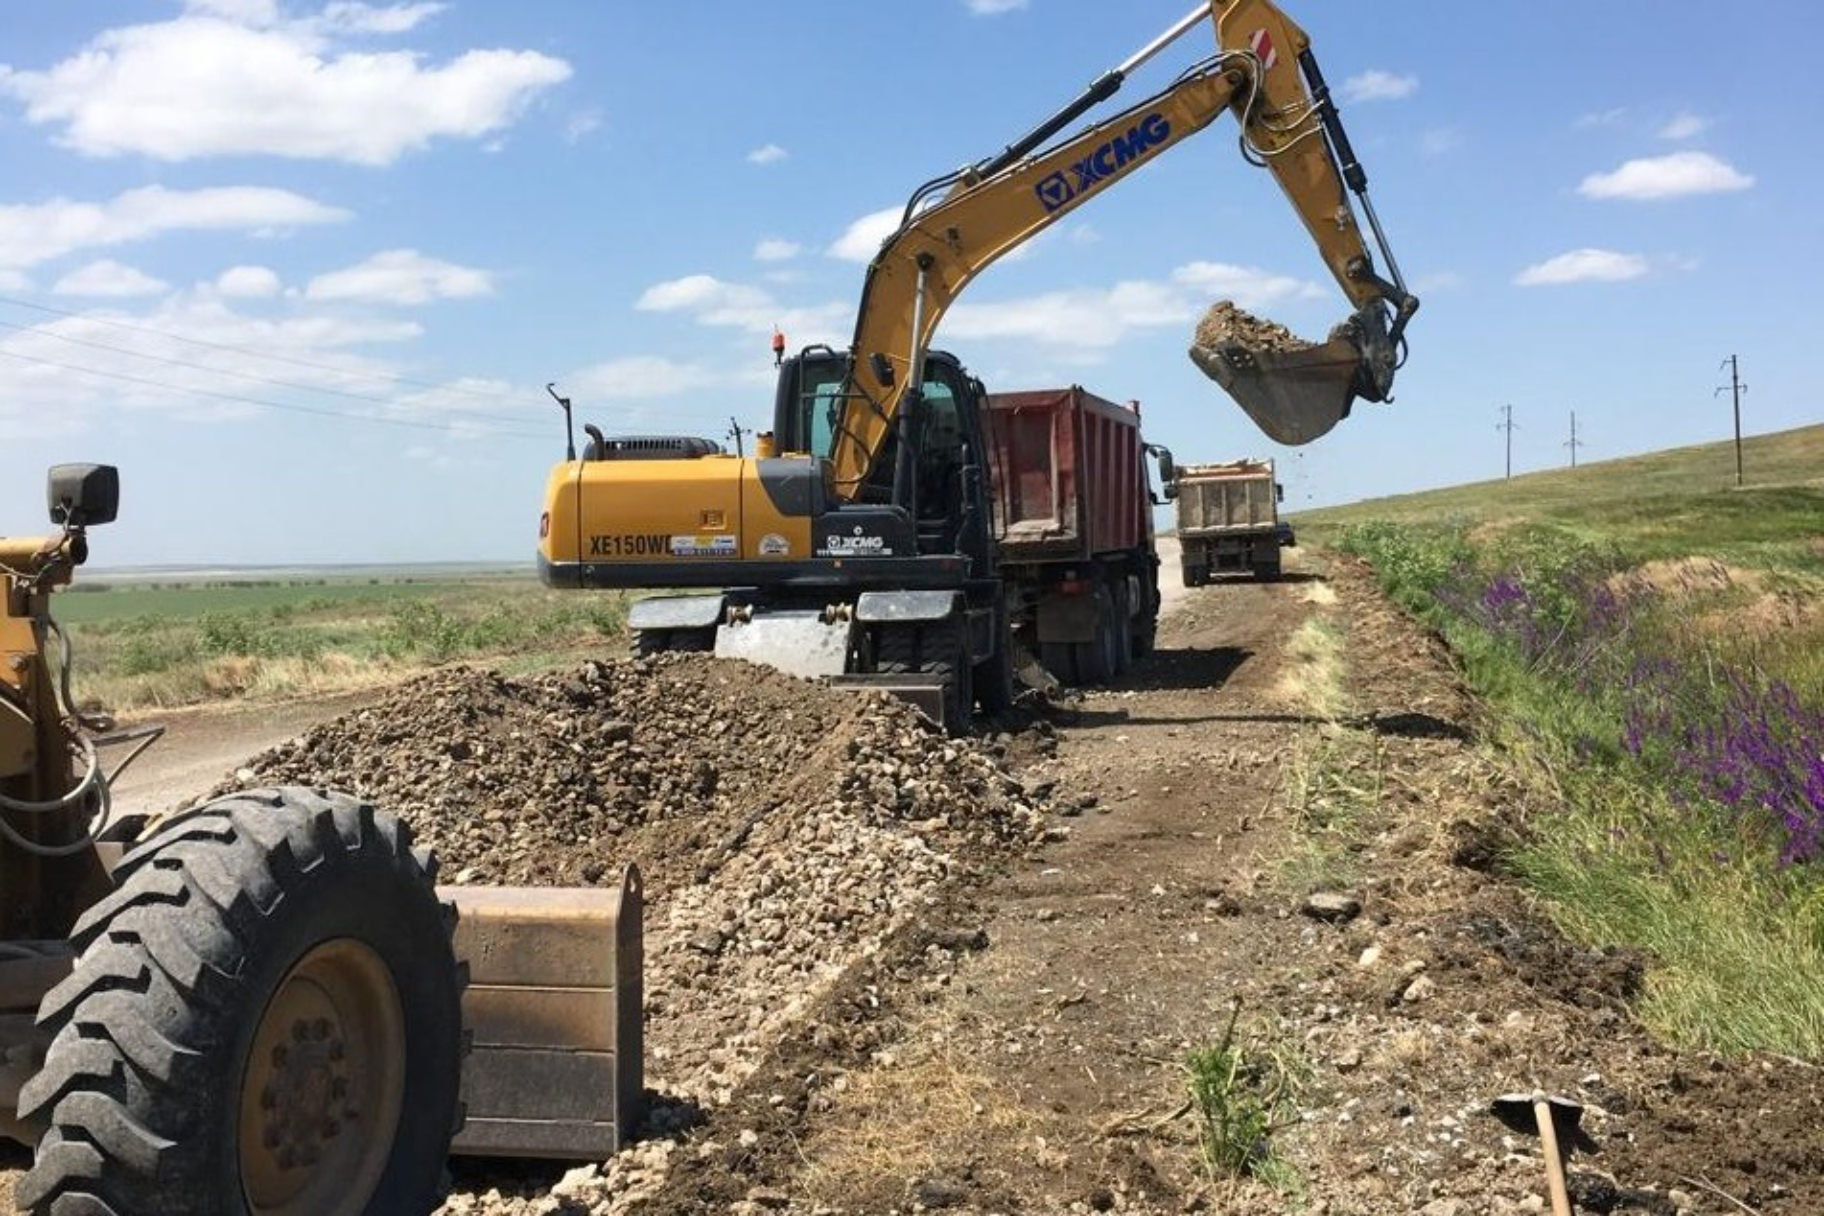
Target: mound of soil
784,831
1224,322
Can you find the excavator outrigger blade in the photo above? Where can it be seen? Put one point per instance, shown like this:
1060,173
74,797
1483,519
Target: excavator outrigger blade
1296,394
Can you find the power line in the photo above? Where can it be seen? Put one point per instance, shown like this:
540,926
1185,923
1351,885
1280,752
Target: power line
241,350
255,401
222,371
1737,388
1508,426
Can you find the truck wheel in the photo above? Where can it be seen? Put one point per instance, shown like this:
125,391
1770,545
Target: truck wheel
1123,624
1060,659
1096,658
1267,571
265,1018
1146,626
994,676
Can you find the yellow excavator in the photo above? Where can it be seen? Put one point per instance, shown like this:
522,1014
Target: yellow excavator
261,1006
861,541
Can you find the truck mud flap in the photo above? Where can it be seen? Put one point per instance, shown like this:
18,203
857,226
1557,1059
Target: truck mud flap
556,1065
923,692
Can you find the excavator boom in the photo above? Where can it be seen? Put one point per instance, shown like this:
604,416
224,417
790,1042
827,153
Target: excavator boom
956,226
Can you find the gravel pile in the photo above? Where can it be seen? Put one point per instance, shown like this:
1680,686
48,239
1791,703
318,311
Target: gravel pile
1224,322
783,830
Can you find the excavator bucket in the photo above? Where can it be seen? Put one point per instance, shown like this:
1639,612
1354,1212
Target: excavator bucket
1294,390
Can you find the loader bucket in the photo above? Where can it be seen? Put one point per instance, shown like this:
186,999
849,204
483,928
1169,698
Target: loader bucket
555,1066
1294,391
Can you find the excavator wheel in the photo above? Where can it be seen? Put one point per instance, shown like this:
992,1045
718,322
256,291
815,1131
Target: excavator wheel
1124,623
933,648
264,1019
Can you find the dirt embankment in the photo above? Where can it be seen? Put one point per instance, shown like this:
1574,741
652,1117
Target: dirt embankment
890,972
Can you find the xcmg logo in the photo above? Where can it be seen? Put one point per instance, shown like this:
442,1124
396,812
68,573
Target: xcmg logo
1106,161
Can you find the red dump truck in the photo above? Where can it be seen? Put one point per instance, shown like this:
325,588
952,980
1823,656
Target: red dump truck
1073,522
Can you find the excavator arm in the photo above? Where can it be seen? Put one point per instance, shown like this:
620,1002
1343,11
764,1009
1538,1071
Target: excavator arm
956,226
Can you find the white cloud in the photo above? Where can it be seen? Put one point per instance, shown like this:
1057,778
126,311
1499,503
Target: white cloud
1440,140
401,276
581,124
1583,266
14,280
712,301
1602,118
862,239
1673,176
638,377
248,283
1102,317
988,8
192,357
31,233
1684,126
345,16
767,154
229,77
1376,85
107,279
775,250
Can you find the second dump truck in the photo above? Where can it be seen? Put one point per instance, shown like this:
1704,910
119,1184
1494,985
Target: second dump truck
1228,520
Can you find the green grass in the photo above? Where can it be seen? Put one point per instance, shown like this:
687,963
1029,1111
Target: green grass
1240,1094
1630,849
140,646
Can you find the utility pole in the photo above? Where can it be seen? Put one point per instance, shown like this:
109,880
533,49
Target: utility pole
1508,426
1575,442
1736,389
735,432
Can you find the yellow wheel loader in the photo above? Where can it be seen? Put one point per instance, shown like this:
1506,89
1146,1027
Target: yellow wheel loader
865,539
263,1005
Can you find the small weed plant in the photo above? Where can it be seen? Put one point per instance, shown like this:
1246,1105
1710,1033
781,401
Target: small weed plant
1239,1098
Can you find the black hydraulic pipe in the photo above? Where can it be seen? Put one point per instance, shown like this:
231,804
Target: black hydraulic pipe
1106,86
1353,173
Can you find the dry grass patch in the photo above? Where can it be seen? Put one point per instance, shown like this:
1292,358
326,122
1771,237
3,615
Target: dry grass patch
1313,676
916,1113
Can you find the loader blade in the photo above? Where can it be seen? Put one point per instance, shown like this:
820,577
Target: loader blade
1294,391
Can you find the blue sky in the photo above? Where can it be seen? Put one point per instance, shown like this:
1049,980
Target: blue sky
302,269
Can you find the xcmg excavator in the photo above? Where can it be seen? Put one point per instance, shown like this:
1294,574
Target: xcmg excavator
261,1006
862,541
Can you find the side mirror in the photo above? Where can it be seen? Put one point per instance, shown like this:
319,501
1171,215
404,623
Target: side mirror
1279,492
82,495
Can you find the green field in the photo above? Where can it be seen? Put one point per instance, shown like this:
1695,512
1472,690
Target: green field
143,642
1649,639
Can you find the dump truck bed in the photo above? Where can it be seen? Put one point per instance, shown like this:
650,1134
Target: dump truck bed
1236,497
1067,475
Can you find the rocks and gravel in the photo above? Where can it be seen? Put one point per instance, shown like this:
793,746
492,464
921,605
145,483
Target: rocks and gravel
1224,322
784,832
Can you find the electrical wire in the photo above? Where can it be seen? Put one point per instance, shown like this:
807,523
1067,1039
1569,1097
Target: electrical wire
239,350
255,401
223,371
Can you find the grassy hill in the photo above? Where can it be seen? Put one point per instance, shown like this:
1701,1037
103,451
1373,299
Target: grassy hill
1649,639
1668,504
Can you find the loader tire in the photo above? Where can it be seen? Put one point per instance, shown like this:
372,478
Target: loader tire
1124,625
264,1018
994,676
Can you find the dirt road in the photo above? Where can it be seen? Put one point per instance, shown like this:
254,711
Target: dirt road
1019,1044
